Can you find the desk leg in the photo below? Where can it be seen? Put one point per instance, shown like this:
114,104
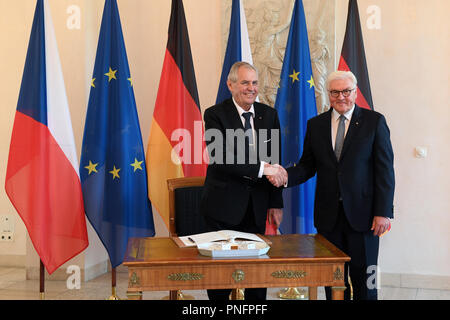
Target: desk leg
312,293
134,295
337,293
237,294
173,294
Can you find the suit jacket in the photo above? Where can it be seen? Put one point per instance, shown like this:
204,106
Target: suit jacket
363,177
230,186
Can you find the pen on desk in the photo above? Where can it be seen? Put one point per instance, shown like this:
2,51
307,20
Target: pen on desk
190,239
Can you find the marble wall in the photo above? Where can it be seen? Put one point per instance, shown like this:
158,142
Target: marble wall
268,23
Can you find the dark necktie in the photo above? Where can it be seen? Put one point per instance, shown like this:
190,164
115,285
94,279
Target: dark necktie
339,137
249,154
247,127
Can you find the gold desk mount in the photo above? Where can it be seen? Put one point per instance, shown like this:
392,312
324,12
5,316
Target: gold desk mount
293,293
237,294
180,296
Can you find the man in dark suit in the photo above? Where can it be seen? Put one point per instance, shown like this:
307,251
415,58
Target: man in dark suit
350,150
236,196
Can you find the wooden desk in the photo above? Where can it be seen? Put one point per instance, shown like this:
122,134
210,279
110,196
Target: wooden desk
292,261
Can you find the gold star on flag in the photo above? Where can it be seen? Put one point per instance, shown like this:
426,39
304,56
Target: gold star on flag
131,81
294,76
115,173
311,83
92,167
111,74
136,165
92,83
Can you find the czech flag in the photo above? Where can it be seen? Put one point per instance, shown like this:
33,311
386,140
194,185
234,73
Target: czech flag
176,146
42,179
238,47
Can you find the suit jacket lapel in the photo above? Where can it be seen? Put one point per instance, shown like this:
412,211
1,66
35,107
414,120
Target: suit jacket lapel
355,124
327,134
233,114
258,123
258,120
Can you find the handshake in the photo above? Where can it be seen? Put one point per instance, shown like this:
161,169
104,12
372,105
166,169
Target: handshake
276,174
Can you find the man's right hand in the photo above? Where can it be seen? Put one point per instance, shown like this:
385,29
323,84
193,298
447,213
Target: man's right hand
276,174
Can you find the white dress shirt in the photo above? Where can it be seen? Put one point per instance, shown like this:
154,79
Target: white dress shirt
335,123
252,111
334,126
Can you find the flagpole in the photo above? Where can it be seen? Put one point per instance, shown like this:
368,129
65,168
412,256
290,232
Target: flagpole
41,280
113,295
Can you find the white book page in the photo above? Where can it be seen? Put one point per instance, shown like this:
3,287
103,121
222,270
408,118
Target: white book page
200,238
208,237
187,242
231,234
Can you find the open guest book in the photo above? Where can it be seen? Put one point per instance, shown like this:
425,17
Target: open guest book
226,243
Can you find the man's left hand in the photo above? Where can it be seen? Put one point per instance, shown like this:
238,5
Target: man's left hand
380,225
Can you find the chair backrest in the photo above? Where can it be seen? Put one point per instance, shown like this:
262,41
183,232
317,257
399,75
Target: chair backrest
184,206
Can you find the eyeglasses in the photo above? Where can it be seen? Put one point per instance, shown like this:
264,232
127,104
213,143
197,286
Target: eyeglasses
345,93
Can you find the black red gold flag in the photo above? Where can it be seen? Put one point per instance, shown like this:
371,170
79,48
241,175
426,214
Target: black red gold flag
353,57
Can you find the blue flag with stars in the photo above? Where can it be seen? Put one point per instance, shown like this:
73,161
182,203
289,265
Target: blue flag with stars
112,168
296,104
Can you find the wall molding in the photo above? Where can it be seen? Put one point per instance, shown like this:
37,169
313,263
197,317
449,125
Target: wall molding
12,260
92,272
420,281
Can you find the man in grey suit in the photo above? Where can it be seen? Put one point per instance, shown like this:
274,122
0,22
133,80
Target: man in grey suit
349,149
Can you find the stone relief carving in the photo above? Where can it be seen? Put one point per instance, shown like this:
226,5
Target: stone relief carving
268,23
268,37
320,53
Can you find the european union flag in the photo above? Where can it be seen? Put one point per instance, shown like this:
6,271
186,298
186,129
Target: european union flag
112,168
296,104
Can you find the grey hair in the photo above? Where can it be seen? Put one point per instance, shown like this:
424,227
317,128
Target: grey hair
233,74
341,75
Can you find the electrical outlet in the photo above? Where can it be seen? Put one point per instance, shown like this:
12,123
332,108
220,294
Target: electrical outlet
7,228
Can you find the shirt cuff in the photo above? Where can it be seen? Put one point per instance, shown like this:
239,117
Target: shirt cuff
261,169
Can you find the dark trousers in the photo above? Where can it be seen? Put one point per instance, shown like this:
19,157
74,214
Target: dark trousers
362,247
246,225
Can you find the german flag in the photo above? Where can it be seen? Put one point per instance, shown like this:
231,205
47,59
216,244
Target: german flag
176,144
353,57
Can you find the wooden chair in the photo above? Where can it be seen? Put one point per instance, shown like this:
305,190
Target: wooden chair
184,206
184,216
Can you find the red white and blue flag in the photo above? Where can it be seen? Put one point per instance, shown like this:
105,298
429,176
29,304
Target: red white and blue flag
42,179
238,47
